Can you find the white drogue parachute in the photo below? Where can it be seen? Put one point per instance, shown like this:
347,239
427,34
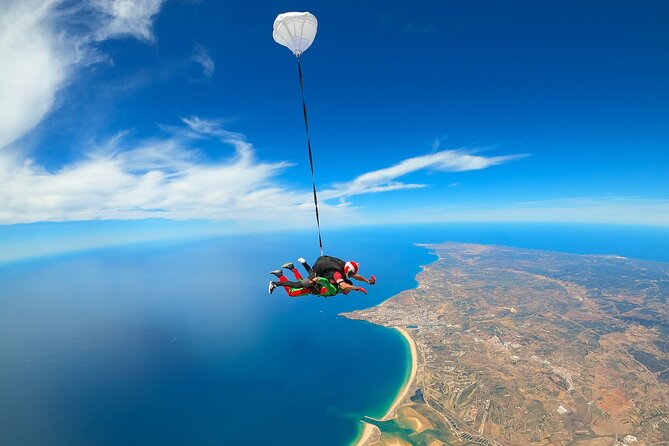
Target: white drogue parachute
295,30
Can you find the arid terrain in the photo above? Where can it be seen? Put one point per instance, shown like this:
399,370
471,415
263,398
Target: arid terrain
520,346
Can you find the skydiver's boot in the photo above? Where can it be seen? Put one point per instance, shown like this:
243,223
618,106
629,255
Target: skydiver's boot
271,288
277,272
288,265
305,265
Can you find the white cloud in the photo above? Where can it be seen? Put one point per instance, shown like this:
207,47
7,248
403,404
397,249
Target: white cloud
168,177
201,56
127,18
39,56
159,177
383,180
35,64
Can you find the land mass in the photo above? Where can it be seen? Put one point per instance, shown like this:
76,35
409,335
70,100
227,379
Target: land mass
517,346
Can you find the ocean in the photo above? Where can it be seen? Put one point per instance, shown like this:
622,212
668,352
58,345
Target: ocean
179,343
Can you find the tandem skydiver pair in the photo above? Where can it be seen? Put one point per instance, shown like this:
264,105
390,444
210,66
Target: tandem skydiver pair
329,276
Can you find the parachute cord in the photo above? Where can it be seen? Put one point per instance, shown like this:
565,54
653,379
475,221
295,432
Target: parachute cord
311,158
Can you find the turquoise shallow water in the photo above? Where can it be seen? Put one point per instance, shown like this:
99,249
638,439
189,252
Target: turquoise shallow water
181,344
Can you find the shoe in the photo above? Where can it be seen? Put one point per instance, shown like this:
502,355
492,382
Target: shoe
271,288
277,273
288,265
301,260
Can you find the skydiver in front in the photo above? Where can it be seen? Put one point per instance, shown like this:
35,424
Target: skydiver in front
300,286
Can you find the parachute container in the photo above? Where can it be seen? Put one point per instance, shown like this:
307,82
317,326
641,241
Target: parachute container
295,30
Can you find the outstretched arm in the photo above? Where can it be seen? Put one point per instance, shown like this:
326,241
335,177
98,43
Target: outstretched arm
371,280
347,288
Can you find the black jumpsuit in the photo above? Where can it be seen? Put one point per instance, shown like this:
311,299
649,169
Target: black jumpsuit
328,267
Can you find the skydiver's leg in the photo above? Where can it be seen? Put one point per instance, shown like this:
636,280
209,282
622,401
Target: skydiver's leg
293,288
282,281
304,283
296,273
287,284
306,265
291,267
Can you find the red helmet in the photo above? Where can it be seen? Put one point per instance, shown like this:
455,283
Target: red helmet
351,268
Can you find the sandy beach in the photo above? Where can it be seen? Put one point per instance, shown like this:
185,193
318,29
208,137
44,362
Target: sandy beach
369,429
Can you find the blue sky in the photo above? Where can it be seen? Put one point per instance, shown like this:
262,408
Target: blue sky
188,111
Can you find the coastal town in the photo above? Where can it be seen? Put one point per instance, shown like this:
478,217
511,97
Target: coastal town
514,346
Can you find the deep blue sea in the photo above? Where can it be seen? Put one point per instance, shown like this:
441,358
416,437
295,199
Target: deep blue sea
180,344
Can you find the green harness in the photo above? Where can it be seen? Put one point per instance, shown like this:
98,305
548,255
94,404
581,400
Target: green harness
331,287
322,282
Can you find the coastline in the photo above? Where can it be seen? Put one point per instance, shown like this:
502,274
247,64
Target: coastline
370,431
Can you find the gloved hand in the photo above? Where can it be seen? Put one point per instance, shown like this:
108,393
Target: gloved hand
372,280
361,289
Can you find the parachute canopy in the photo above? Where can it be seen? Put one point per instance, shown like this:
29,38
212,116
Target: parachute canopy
295,30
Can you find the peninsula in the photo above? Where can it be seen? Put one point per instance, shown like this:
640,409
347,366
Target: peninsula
516,346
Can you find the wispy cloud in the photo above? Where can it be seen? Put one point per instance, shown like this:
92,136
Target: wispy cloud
413,28
384,180
436,142
201,57
160,177
127,18
168,177
39,55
